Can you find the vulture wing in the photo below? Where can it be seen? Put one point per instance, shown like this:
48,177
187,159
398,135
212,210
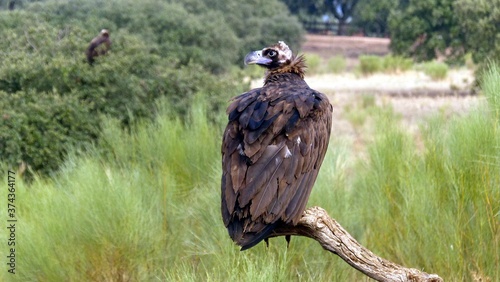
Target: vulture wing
272,149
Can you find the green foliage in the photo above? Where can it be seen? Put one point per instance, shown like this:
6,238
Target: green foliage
317,65
491,88
369,64
360,110
175,49
480,20
420,28
450,28
146,207
435,70
397,64
314,63
439,208
442,203
336,64
372,16
38,128
256,23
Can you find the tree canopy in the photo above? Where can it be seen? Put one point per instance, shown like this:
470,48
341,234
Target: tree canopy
160,49
422,29
426,29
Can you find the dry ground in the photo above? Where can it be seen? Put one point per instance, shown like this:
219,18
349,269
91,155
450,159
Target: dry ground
412,94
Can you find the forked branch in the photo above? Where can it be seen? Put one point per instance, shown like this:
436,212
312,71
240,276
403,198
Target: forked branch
316,224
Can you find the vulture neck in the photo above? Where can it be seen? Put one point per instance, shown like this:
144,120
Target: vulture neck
295,69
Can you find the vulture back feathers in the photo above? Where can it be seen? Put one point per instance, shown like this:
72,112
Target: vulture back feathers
272,148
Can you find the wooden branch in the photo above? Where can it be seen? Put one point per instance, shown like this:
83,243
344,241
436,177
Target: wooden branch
316,224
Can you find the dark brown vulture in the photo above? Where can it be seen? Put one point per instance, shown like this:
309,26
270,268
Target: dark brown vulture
94,50
272,148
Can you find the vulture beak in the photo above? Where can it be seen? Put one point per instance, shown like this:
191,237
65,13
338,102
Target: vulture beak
256,57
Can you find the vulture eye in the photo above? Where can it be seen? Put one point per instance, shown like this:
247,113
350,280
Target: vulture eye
272,53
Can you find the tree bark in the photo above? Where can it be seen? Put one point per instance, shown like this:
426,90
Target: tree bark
316,224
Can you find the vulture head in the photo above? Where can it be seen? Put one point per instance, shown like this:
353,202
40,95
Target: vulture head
104,33
277,58
270,57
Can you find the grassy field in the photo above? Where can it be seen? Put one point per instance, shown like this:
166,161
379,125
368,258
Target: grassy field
145,204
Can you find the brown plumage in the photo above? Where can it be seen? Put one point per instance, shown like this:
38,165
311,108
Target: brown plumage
272,148
94,50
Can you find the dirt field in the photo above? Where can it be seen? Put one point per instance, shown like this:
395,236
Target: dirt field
412,94
348,46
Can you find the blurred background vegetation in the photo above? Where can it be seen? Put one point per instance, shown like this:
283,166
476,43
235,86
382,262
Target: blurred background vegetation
121,159
52,99
178,49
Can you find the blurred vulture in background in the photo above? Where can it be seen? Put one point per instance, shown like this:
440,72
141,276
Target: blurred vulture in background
98,46
272,148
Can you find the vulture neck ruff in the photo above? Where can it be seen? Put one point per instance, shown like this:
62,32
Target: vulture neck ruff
295,66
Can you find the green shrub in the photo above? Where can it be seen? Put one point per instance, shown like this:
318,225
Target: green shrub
435,70
313,63
317,65
396,64
369,64
336,64
38,128
45,58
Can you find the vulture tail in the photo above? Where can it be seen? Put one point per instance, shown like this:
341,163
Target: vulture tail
248,240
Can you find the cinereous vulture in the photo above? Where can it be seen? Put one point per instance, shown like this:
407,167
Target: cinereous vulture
272,148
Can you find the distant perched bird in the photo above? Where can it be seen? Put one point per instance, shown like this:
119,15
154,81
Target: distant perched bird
272,148
94,50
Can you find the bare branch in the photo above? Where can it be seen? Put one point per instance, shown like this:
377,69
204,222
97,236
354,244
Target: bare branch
316,224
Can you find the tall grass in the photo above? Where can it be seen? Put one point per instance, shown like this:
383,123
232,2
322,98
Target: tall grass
146,205
440,208
369,64
317,65
435,70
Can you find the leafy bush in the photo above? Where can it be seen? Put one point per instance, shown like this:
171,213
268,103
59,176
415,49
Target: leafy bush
313,62
427,29
38,128
336,64
369,64
397,64
175,49
435,70
480,21
317,65
420,28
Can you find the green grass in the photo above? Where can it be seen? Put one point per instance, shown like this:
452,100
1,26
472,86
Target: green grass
397,64
441,206
435,70
369,64
362,107
316,65
313,63
145,205
336,64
